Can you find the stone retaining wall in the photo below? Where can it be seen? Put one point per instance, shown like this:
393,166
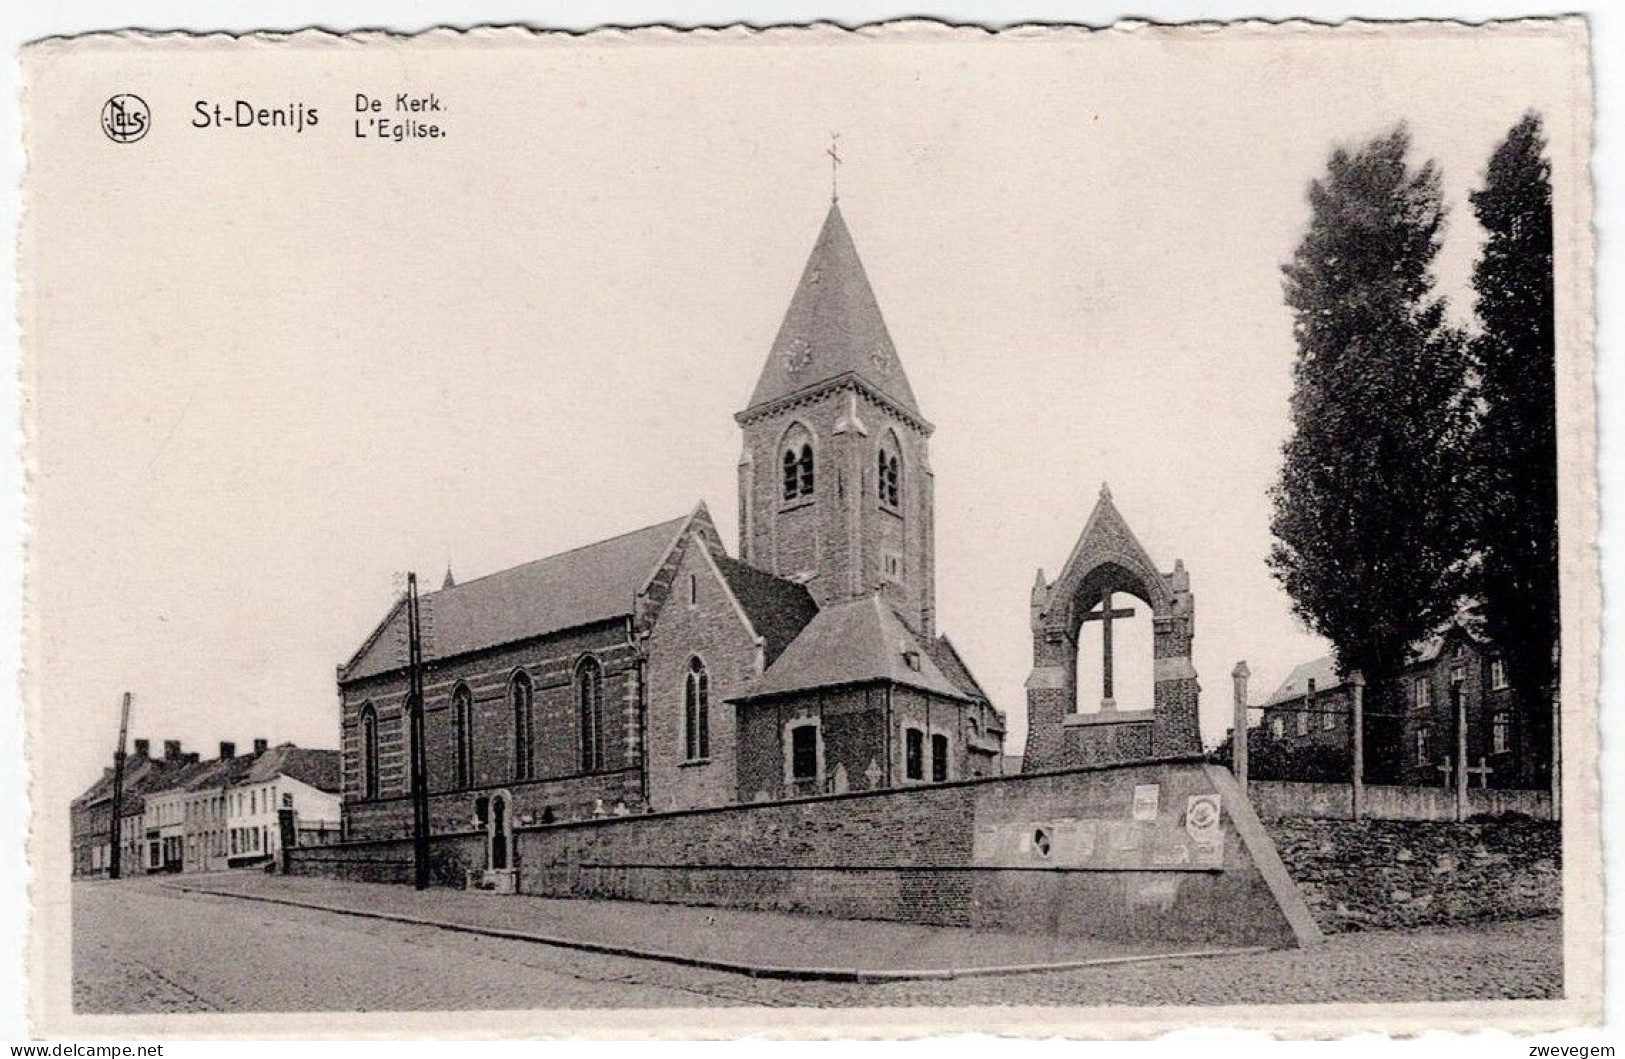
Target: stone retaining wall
1380,874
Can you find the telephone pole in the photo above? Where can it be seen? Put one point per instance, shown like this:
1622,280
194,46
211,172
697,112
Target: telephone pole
113,857
414,711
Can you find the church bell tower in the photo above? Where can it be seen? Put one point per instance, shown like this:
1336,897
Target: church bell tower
835,484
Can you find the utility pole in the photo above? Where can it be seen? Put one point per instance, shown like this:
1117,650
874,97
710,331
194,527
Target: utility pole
113,858
414,712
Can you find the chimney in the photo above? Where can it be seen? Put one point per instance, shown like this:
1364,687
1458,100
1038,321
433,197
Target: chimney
227,751
142,746
260,745
172,749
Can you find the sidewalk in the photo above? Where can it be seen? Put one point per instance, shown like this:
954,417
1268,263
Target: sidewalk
759,944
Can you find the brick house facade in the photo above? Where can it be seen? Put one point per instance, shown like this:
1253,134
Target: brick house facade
1309,716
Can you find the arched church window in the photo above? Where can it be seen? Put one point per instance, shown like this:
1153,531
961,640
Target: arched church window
524,751
369,752
462,735
888,475
590,695
797,464
696,712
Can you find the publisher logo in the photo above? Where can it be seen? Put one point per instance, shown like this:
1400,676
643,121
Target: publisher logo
125,118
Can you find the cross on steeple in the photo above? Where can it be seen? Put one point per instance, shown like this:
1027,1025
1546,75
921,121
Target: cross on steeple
833,150
1105,616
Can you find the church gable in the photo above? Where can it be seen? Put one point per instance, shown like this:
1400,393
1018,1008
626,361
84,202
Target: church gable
701,648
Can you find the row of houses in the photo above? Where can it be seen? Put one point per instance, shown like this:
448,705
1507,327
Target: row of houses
1409,735
183,813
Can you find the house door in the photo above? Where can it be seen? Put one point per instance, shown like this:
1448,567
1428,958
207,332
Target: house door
499,833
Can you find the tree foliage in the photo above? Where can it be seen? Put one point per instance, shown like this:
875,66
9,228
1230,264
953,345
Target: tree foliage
1369,510
1515,446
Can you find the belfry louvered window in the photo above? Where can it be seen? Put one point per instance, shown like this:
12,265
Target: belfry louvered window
797,464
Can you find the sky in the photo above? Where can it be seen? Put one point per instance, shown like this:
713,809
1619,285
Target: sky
270,371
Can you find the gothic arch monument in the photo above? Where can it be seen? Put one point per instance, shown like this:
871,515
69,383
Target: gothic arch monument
1108,560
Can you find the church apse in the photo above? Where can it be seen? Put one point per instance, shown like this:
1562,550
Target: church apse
1108,580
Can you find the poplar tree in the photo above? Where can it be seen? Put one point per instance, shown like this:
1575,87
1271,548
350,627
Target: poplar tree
1515,450
1369,510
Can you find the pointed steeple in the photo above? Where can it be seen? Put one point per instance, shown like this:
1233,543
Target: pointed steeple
833,328
450,581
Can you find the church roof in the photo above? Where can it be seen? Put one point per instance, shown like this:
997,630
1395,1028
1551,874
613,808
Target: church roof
833,328
590,584
858,642
778,609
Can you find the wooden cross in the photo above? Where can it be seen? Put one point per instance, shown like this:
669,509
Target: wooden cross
1448,768
1105,615
1482,770
834,166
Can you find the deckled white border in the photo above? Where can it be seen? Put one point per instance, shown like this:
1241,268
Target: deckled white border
1580,656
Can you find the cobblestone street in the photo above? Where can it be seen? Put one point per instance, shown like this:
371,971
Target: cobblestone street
173,951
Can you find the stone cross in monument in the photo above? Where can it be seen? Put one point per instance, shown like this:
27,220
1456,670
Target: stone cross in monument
1105,615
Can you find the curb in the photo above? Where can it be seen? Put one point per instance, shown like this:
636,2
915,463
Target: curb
804,974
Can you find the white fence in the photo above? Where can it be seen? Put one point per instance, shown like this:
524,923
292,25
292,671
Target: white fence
1273,799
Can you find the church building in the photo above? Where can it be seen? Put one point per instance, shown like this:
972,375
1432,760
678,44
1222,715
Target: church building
654,671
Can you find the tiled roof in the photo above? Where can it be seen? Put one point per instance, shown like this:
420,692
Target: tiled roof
1322,670
944,654
319,768
861,641
833,327
778,609
589,584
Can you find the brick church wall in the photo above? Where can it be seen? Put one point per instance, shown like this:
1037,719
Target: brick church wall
949,854
551,663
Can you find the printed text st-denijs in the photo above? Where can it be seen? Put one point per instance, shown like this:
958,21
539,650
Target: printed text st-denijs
242,114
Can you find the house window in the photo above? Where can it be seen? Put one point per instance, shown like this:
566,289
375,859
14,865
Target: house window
1328,718
797,463
697,712
462,735
1302,722
939,758
1498,675
1421,746
1501,733
887,474
914,754
804,752
590,696
369,755
1277,727
524,725
1421,693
